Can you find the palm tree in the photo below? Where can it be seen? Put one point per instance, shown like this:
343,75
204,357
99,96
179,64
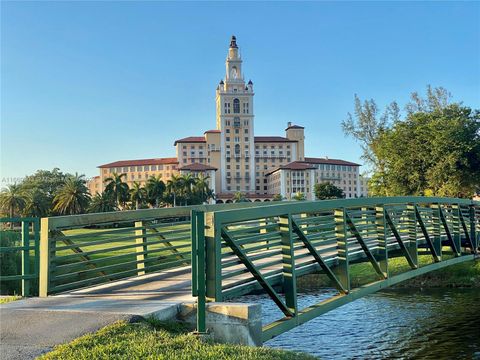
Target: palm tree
203,188
187,183
73,197
117,188
239,197
174,185
138,194
12,200
155,189
37,203
103,202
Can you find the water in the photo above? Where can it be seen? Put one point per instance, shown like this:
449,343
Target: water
394,324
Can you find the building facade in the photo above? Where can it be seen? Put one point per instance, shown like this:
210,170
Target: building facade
235,160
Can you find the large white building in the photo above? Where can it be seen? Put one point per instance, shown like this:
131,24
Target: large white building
238,161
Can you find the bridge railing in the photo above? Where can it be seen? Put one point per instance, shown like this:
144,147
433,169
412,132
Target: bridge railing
19,248
242,250
84,250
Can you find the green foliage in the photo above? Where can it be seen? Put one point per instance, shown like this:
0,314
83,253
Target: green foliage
277,197
433,151
155,191
12,200
72,197
118,189
328,191
239,197
138,195
299,196
142,341
103,202
188,190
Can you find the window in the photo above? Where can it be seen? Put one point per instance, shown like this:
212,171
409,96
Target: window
237,149
236,106
154,168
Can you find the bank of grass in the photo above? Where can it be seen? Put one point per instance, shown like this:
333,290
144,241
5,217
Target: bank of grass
463,275
7,299
159,341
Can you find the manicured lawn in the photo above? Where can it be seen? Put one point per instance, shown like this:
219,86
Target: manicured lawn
155,341
7,299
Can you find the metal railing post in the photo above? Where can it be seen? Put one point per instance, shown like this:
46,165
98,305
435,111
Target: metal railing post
198,220
381,226
44,274
25,243
342,268
473,234
288,261
412,247
141,249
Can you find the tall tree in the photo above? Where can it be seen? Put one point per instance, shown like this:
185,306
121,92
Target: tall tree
434,150
118,189
73,197
12,200
103,202
37,203
155,191
202,189
174,188
327,190
138,195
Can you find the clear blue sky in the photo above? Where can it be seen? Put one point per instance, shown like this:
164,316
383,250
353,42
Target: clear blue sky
89,83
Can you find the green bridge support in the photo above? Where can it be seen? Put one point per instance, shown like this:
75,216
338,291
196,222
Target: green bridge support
268,248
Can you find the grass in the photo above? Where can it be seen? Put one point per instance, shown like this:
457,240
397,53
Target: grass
465,274
149,340
7,299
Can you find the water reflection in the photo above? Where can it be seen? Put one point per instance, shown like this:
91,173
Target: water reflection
394,324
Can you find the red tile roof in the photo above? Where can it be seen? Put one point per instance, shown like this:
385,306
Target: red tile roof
158,161
295,165
229,196
191,139
329,161
197,167
272,139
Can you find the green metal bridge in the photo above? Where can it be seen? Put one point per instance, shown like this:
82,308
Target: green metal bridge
236,249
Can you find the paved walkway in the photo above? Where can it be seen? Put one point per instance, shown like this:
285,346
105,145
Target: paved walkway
31,327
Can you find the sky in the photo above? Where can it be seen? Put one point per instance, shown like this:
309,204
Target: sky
88,83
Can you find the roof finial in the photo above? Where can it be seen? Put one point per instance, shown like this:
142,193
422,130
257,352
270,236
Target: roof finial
233,42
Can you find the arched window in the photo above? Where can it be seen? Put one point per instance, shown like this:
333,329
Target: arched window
236,106
236,121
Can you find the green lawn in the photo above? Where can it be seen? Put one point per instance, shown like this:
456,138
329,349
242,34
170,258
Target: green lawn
7,299
151,340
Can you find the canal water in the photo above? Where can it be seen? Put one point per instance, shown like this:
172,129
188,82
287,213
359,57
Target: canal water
393,324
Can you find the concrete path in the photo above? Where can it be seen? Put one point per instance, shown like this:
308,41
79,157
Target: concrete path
31,327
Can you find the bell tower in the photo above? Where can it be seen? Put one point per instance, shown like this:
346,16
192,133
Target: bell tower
234,117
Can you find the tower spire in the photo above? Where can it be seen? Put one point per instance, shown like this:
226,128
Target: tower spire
233,42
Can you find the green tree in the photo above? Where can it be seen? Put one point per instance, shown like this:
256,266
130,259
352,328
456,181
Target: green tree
37,203
433,150
299,196
174,189
239,197
12,200
327,190
433,153
155,191
202,190
277,197
42,187
118,189
73,197
138,195
103,202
